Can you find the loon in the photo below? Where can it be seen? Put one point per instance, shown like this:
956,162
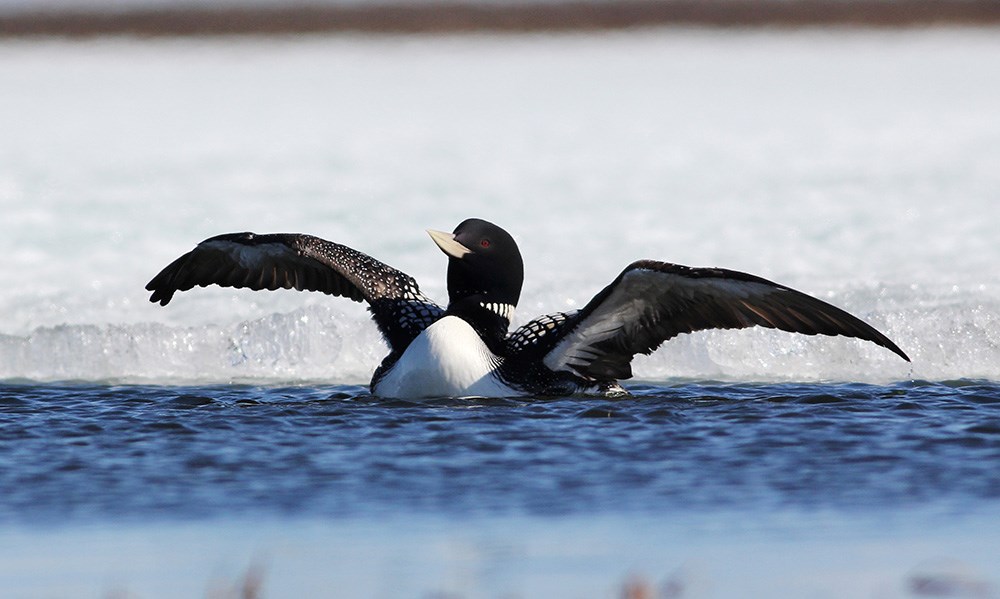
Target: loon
466,350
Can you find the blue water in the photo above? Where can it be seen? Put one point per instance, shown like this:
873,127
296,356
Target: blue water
90,453
722,489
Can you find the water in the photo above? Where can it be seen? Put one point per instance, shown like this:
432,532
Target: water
483,497
195,452
142,445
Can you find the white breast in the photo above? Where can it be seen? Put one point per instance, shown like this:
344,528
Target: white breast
448,359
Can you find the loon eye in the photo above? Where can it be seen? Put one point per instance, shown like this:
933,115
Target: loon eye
485,243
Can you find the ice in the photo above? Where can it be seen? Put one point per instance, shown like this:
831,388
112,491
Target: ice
860,166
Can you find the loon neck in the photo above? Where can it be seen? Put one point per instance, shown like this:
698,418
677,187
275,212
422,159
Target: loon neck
490,319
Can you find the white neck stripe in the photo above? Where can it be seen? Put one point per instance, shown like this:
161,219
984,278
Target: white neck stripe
501,310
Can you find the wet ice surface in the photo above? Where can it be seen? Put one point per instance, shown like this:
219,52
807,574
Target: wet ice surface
857,166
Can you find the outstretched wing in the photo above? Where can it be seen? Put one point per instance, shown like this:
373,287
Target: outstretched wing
303,262
651,302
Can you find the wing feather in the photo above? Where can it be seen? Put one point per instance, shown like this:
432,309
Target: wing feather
651,302
302,262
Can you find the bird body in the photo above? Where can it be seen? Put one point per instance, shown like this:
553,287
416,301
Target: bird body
466,349
448,359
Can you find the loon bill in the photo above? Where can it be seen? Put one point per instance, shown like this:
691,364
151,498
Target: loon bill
466,349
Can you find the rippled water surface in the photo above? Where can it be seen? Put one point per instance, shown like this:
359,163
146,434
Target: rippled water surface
717,489
86,452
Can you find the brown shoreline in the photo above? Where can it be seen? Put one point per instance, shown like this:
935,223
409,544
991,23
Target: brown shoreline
456,17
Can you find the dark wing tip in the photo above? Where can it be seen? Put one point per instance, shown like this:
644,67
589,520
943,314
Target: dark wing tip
160,296
889,345
166,283
162,293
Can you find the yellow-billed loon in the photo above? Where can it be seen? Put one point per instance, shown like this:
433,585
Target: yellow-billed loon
466,350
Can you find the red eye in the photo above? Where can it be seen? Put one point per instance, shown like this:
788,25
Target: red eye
485,243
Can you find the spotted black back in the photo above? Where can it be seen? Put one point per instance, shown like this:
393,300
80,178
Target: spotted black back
538,336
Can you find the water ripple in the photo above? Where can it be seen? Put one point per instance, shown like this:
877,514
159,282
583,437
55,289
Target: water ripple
92,451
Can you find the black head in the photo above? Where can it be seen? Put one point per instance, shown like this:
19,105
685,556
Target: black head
484,263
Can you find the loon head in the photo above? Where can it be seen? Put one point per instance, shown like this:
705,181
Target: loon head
484,265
